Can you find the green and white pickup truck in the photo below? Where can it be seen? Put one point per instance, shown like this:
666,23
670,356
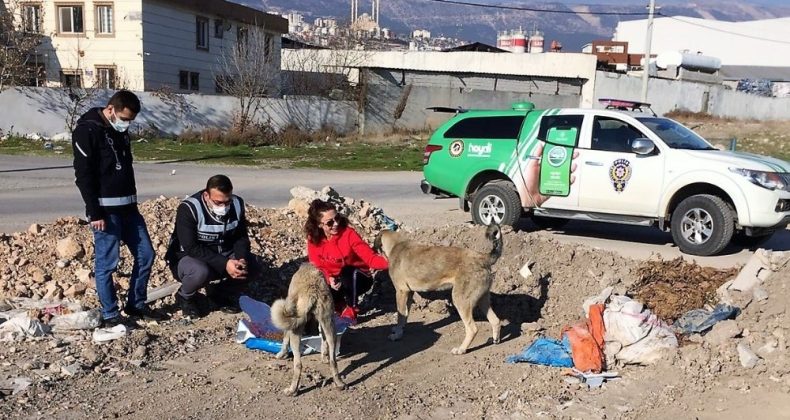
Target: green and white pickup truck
633,168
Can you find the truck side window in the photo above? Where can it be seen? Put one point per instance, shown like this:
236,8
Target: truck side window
547,122
613,135
486,128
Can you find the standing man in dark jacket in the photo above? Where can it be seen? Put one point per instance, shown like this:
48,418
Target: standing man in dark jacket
210,242
105,178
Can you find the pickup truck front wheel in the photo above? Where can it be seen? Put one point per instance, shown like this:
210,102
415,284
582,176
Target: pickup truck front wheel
496,202
702,225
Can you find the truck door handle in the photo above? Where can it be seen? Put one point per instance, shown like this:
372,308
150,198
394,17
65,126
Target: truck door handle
592,163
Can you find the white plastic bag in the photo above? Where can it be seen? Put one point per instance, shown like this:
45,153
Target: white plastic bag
643,338
84,320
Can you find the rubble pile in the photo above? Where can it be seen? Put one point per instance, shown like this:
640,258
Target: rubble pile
55,261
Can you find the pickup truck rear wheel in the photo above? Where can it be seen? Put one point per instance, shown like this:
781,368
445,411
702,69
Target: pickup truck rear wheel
741,239
702,225
496,202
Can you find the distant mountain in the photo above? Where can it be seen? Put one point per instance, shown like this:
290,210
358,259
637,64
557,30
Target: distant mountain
481,24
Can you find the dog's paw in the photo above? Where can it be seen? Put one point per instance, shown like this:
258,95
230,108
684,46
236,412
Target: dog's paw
291,392
340,385
397,334
458,351
496,340
281,355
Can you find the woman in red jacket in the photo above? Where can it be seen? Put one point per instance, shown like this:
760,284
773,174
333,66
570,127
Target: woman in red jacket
338,251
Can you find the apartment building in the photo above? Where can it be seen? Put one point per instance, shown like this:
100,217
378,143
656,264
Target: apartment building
141,45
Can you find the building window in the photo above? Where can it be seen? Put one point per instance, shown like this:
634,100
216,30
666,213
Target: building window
104,20
183,80
188,80
37,71
105,77
194,81
268,47
71,78
31,18
70,20
201,31
219,28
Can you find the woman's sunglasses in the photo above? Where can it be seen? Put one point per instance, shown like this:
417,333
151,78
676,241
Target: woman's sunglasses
331,222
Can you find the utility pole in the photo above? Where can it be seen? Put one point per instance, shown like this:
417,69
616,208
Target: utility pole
648,40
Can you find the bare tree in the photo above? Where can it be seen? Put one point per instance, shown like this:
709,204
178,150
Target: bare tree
249,73
20,34
330,73
77,94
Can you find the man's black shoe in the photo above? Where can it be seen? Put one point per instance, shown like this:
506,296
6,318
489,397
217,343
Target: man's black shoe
189,308
145,313
111,322
225,304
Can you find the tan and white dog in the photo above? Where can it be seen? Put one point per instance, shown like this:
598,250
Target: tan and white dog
308,298
416,267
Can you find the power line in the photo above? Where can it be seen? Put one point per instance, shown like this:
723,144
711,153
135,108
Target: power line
724,30
534,9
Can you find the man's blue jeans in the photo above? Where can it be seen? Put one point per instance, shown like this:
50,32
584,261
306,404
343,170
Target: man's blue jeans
129,228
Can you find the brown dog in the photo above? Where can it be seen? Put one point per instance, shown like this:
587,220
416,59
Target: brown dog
415,267
308,298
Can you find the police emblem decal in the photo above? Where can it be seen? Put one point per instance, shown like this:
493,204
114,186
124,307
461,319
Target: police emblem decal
620,173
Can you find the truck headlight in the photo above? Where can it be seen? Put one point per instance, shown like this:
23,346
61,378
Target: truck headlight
769,180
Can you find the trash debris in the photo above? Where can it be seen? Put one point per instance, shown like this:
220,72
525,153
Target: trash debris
83,320
587,341
20,326
14,386
101,335
747,357
699,320
545,351
642,337
259,333
749,277
525,270
592,380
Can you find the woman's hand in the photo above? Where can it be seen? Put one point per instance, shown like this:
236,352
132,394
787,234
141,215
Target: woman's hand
334,284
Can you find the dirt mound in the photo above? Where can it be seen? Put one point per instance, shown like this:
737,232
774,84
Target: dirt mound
672,288
55,260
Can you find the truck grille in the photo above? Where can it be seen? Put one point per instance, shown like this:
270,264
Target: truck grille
782,206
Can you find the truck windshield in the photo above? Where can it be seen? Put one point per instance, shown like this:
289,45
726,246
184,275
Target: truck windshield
675,135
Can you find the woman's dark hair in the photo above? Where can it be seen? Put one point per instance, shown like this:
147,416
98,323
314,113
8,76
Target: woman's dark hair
312,227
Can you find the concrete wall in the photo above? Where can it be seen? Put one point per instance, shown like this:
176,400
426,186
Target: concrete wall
385,93
668,95
42,111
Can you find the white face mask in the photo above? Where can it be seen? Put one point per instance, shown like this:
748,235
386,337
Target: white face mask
119,125
220,211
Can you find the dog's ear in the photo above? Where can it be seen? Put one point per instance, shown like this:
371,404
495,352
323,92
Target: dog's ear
377,242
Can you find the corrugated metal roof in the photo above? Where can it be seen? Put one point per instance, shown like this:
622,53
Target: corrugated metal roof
774,74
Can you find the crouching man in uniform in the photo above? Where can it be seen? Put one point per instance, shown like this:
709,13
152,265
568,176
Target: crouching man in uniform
210,242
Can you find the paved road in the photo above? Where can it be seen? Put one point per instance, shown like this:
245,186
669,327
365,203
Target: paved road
35,189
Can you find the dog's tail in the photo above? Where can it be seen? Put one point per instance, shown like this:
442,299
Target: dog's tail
494,234
287,316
